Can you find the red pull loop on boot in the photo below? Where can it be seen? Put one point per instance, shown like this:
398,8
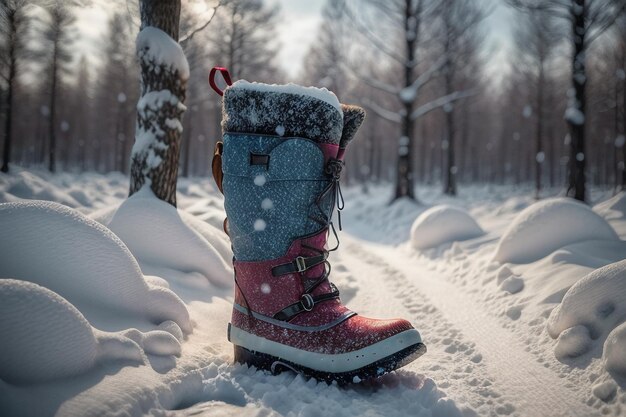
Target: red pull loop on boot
225,76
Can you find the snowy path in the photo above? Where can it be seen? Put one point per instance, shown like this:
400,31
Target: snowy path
471,356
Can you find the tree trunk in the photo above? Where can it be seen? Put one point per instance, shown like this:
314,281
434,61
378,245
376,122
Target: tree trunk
404,178
539,133
187,151
550,137
158,164
623,188
52,121
577,159
6,156
464,141
611,146
450,167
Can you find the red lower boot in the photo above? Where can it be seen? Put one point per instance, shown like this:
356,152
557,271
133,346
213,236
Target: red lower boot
283,325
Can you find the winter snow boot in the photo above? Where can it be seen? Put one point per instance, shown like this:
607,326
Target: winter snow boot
279,168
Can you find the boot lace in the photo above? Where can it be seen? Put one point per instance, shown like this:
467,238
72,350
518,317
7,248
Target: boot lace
329,198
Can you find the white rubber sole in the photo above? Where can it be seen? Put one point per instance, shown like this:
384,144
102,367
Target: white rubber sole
322,362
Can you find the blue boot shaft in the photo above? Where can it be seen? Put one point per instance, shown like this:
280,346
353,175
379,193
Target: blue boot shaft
271,188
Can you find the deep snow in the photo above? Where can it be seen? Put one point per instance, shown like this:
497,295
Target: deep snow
119,306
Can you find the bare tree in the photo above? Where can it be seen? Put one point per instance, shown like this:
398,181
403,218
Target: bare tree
164,74
244,39
400,21
117,91
61,38
460,26
588,19
197,48
536,38
82,109
326,61
13,28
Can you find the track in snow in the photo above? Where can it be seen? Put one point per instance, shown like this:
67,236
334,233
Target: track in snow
471,356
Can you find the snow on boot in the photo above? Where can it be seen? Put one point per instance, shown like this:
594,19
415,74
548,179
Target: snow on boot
279,169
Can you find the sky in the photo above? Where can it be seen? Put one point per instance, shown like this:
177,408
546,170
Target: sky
299,22
301,18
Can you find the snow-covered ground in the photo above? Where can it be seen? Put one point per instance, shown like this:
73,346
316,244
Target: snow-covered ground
116,306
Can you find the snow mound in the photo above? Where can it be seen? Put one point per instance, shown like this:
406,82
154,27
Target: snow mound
614,355
605,391
209,228
512,284
45,337
157,235
572,343
597,301
547,226
83,261
441,224
214,235
209,210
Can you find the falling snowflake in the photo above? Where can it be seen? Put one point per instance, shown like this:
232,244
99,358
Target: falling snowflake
260,180
259,225
267,204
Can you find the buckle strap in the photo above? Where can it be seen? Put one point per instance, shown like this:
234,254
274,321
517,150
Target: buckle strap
300,264
306,303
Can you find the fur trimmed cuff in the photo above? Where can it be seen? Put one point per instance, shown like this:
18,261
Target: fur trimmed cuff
353,117
247,110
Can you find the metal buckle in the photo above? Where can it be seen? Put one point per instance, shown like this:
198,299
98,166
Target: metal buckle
300,264
307,302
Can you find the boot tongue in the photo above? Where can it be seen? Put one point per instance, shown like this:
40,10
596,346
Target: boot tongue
283,110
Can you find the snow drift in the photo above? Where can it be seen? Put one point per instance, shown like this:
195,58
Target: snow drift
84,262
593,306
441,224
158,235
613,208
614,211
45,337
27,185
547,226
